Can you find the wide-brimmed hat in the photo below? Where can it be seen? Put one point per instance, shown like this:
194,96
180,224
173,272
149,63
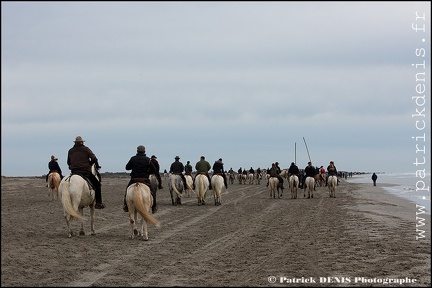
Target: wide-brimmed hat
53,157
79,139
177,157
140,148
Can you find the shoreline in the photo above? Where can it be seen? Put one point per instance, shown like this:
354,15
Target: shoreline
377,203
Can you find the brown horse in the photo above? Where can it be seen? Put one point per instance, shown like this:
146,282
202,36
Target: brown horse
320,179
53,184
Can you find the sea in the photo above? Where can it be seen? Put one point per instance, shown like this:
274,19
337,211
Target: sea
408,186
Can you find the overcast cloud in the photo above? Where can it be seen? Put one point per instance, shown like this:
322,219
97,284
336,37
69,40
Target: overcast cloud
242,81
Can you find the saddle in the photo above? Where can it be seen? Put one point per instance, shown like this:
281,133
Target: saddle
142,180
84,176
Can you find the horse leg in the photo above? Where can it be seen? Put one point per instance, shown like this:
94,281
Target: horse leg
68,224
92,216
131,221
144,231
81,233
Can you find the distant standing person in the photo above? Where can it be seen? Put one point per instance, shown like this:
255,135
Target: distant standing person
53,166
374,178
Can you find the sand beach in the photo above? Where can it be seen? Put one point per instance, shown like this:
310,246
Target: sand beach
364,237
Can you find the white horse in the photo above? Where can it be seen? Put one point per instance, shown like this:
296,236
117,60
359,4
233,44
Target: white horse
75,194
53,184
284,173
258,178
175,185
293,183
274,187
139,201
250,177
231,178
332,182
218,185
189,184
202,184
310,185
154,183
244,178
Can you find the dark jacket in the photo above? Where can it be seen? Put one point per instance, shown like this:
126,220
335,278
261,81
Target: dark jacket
188,169
274,172
81,158
177,167
332,171
310,171
155,165
140,165
54,166
293,170
374,177
218,167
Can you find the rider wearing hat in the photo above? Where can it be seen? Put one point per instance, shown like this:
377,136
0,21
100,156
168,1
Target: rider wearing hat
177,168
156,172
80,160
53,166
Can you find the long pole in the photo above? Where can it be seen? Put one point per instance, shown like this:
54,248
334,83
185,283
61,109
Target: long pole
295,152
307,149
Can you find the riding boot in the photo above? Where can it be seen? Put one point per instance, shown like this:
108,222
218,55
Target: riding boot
125,207
98,196
154,205
210,186
158,177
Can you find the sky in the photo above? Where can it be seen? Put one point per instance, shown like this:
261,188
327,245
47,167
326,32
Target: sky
249,82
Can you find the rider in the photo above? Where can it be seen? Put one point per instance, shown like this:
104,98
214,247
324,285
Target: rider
293,169
141,167
53,166
188,168
309,171
219,169
177,168
80,160
278,170
153,159
331,171
202,167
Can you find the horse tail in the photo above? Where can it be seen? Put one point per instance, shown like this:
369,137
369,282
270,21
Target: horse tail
140,206
174,187
67,203
201,185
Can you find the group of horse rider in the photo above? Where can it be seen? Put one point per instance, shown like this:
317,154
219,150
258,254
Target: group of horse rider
81,159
